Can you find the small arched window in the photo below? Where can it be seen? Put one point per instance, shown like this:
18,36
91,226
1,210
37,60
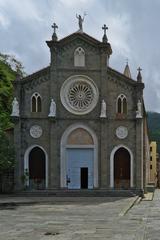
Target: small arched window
79,57
36,103
122,104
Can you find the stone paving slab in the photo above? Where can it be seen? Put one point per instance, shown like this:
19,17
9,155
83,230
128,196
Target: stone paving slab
148,196
13,200
83,218
86,218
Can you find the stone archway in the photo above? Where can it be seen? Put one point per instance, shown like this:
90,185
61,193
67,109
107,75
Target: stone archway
37,168
79,158
36,164
121,168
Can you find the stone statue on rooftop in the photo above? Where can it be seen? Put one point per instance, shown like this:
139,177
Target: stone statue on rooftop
80,21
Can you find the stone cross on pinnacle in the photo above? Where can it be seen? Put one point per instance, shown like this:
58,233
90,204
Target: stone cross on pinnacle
127,61
54,36
139,76
139,69
105,28
54,26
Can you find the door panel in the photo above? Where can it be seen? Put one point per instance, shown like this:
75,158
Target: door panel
84,178
77,159
122,169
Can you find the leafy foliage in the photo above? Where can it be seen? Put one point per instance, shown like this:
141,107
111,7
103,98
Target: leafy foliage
13,64
154,127
7,75
9,69
7,155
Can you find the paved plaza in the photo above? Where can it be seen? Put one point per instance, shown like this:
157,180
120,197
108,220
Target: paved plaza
82,218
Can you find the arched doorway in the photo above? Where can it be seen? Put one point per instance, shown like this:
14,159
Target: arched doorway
37,168
79,165
36,164
122,169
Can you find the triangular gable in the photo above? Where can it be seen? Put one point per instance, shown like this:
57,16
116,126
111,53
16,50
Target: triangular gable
115,73
81,35
42,72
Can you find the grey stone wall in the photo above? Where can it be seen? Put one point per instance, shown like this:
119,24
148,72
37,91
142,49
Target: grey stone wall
110,85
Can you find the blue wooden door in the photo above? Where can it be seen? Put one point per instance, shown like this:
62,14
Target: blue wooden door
78,158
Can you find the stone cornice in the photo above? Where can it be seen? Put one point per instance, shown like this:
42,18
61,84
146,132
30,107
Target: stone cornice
114,75
81,35
78,69
31,77
34,79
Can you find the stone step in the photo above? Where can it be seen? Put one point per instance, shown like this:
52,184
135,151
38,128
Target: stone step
151,187
78,193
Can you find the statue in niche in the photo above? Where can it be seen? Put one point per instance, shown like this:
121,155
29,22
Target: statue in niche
52,111
103,109
139,110
15,108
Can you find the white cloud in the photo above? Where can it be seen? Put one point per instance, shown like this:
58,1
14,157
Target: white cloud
120,30
24,10
133,34
4,21
78,3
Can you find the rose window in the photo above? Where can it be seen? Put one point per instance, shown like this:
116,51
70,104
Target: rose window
79,94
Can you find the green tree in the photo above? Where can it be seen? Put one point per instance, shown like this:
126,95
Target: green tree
7,76
9,69
7,157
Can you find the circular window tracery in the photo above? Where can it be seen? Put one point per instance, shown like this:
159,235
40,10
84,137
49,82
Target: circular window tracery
79,94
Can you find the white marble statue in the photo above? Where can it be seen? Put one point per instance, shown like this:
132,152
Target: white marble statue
139,110
103,109
52,111
80,21
15,108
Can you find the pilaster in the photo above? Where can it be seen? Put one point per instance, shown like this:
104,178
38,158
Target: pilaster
103,123
18,172
54,161
139,154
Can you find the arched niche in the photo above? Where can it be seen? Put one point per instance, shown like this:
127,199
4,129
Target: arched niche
83,139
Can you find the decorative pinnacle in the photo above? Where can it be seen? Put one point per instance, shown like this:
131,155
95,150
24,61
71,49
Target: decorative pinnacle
54,36
127,72
139,76
127,60
139,69
105,28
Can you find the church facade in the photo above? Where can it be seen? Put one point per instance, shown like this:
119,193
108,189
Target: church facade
80,123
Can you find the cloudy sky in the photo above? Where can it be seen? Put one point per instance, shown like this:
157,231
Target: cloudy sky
134,33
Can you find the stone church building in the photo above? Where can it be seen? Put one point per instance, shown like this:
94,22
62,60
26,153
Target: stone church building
79,124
